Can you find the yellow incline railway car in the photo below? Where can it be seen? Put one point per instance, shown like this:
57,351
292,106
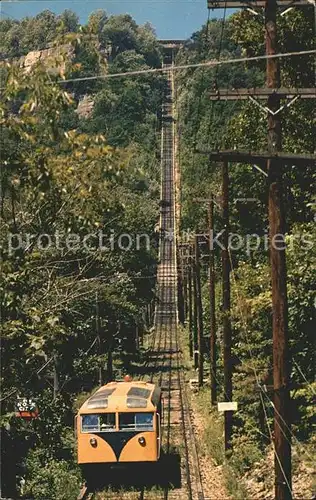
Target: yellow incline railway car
120,422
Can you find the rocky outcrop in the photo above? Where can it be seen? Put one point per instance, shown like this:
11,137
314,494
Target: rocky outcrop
259,481
85,107
54,59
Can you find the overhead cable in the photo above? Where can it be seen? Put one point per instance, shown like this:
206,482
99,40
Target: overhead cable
187,66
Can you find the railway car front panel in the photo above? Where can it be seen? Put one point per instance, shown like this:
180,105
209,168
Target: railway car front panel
131,433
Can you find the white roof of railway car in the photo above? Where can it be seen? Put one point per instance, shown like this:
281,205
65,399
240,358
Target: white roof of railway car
123,396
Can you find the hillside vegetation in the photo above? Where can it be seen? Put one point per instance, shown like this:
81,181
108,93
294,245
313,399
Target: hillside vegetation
79,207
207,125
78,211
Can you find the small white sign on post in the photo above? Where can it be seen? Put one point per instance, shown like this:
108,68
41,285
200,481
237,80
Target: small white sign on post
229,406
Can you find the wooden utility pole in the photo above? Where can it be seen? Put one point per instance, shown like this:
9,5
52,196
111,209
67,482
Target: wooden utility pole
199,312
180,287
152,308
137,343
227,333
147,316
55,376
281,368
212,302
275,160
190,301
98,335
210,204
184,284
109,363
195,311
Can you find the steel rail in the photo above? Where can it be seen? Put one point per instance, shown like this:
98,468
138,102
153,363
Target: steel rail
165,338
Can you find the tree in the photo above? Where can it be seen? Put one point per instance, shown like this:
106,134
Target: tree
148,45
20,37
96,22
75,184
67,197
68,22
120,33
203,124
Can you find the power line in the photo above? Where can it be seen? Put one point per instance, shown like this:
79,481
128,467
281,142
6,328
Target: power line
284,422
184,66
212,114
244,321
14,391
188,66
304,377
203,78
274,448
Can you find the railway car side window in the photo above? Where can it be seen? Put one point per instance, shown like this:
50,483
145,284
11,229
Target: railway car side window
126,421
90,423
107,422
102,422
136,421
145,421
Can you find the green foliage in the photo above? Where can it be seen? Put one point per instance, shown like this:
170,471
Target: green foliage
304,411
96,22
17,38
50,479
246,453
62,176
120,33
234,485
126,109
213,429
77,176
202,124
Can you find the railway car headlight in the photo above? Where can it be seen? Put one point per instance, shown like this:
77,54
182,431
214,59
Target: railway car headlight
142,441
93,442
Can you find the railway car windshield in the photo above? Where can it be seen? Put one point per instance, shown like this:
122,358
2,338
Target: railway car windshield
136,421
103,422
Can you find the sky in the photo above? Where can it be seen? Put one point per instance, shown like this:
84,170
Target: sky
176,19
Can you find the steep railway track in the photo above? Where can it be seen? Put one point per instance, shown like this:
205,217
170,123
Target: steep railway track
177,429
178,473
